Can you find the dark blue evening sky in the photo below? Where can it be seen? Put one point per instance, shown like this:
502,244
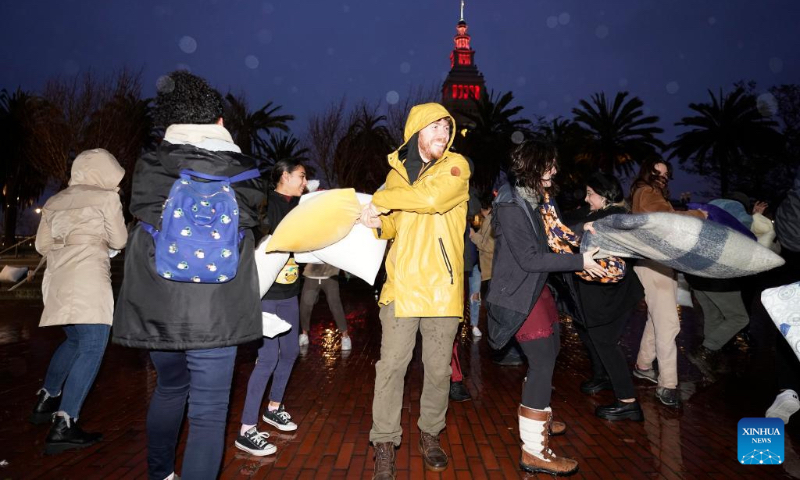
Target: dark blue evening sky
305,54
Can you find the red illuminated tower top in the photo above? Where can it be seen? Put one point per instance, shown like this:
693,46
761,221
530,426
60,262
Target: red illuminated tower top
464,84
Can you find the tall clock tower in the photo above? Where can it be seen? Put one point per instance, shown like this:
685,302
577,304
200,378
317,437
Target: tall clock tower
464,84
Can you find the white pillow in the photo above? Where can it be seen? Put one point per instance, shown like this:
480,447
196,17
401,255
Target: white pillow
273,325
12,274
783,306
359,253
269,265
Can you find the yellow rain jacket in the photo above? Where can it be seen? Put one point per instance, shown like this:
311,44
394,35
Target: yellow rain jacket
426,219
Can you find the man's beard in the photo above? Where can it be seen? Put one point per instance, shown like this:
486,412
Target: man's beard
427,153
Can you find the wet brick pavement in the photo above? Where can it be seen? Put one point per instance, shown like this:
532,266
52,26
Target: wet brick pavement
330,397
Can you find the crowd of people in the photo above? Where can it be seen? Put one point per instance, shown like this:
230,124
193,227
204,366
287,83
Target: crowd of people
448,246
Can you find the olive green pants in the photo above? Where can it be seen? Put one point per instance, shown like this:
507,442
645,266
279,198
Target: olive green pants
398,340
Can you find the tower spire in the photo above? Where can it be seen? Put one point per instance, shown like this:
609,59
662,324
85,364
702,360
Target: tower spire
462,10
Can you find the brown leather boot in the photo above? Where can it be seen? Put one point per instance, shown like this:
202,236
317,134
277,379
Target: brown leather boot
557,428
384,462
433,456
534,429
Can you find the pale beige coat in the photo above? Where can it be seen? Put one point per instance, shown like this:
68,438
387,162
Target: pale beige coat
79,225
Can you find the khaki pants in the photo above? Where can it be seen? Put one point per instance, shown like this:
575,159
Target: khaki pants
663,324
398,339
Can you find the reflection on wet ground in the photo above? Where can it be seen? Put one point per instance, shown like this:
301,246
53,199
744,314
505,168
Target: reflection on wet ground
330,397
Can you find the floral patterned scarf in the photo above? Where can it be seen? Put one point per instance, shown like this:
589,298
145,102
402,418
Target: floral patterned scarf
561,239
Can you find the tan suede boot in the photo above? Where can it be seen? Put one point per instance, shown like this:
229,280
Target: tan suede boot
534,429
384,462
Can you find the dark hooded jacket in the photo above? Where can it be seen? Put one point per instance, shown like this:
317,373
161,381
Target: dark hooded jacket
521,266
160,314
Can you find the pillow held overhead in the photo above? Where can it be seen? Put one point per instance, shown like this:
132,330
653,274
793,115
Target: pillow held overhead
321,219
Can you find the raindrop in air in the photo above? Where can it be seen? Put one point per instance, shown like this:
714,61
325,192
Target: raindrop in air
405,67
712,20
264,36
517,137
543,104
71,67
521,81
673,87
165,84
187,44
552,21
767,104
775,65
563,19
267,8
331,51
392,97
601,31
623,82
251,61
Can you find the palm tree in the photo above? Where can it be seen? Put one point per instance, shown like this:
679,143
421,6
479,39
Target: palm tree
620,134
726,137
285,146
360,157
246,127
20,181
492,135
569,139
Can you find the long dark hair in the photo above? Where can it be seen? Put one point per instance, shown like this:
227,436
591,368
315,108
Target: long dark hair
529,162
649,176
288,165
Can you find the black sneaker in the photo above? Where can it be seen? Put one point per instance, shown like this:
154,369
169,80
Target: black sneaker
650,374
459,392
255,443
280,419
668,396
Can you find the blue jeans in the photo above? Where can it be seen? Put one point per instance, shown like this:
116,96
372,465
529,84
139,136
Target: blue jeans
474,287
74,365
275,359
204,376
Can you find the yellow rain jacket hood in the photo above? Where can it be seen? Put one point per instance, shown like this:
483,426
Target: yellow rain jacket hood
426,220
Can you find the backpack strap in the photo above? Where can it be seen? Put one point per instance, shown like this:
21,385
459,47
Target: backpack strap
149,228
246,175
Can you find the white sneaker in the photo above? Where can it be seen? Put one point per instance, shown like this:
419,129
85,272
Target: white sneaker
347,344
785,404
303,339
476,332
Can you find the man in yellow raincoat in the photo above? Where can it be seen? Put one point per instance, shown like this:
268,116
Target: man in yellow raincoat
423,210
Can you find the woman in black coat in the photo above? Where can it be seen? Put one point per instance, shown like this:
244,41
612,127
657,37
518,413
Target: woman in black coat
606,308
519,305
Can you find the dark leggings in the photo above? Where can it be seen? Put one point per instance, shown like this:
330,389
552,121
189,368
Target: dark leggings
541,354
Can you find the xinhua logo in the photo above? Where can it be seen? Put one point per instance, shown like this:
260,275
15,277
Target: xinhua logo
760,441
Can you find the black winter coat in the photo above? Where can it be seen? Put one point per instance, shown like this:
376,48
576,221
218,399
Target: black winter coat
603,303
160,314
521,265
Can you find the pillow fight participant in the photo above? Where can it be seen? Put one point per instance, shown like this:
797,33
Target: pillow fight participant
80,228
607,305
458,391
191,330
424,210
649,194
321,276
787,366
277,355
520,303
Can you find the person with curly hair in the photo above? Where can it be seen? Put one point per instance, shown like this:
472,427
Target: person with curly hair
191,330
530,246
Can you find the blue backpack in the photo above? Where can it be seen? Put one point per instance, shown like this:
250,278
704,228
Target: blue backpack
199,237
